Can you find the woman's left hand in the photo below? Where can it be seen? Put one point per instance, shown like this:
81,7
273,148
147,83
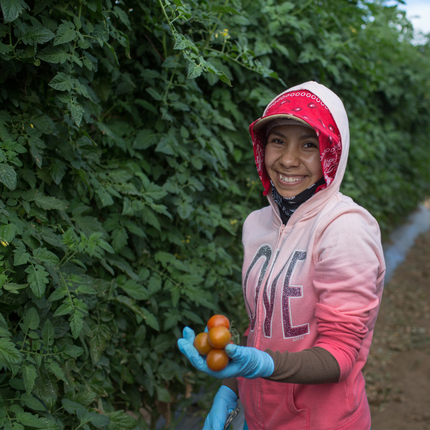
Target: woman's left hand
247,362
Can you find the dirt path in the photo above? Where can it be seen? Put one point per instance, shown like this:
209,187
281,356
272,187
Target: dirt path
398,370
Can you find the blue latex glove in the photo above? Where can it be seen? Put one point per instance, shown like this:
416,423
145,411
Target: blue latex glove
247,362
224,402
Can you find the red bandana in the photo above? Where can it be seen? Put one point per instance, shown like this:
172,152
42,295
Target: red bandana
308,107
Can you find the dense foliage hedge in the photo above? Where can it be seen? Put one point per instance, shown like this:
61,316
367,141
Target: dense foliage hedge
126,172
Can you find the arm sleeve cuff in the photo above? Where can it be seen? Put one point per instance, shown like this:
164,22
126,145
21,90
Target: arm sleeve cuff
310,366
232,384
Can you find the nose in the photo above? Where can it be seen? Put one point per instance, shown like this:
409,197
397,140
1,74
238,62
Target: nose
289,157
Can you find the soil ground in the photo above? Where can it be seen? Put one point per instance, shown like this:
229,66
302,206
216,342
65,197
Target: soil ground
398,369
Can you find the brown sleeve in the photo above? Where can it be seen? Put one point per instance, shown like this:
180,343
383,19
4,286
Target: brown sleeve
310,366
232,382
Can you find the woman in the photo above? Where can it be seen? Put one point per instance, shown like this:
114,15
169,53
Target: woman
312,278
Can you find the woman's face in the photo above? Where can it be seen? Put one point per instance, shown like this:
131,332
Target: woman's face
292,159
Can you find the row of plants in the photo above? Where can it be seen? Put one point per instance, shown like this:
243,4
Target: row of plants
126,172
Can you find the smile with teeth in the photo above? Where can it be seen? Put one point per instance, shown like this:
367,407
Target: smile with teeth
291,179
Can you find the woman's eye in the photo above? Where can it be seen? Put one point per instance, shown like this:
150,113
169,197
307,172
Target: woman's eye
310,145
276,141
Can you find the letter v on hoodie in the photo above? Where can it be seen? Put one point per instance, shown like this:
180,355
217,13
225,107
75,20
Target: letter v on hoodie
316,281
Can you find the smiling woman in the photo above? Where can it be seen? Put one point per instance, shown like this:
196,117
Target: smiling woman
292,158
313,274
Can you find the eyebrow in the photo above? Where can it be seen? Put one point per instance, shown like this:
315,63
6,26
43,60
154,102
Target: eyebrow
306,136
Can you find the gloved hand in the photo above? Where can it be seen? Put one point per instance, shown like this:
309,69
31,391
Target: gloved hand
248,362
224,402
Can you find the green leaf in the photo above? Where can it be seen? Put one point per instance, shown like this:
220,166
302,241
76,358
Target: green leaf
98,342
5,333
122,16
12,9
17,384
184,209
97,420
31,320
31,420
61,82
76,323
58,294
164,257
73,407
194,70
45,388
156,95
37,34
150,319
64,309
77,112
192,316
57,171
105,198
74,351
135,290
46,256
144,139
119,238
162,394
56,54
7,176
86,289
8,353
44,124
45,202
225,9
40,5
14,288
20,255
171,320
134,229
48,333
38,278
154,284
8,232
4,49
57,371
122,420
65,33
149,217
29,375
166,145
32,403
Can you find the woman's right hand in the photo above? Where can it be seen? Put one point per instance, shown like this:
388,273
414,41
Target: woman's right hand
225,401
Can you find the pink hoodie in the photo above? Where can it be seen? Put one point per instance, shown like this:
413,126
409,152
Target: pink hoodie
316,281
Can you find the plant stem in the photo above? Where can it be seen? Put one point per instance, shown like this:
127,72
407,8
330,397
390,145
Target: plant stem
250,191
213,28
166,276
72,255
172,29
164,45
169,85
67,288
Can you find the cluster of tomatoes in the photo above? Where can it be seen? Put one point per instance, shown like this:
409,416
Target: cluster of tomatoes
212,343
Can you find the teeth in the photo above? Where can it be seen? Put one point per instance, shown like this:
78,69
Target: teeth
286,179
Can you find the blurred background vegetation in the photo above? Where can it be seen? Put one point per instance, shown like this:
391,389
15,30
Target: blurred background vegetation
126,173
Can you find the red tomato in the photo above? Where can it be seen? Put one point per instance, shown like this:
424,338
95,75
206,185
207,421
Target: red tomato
219,337
218,320
201,343
217,360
